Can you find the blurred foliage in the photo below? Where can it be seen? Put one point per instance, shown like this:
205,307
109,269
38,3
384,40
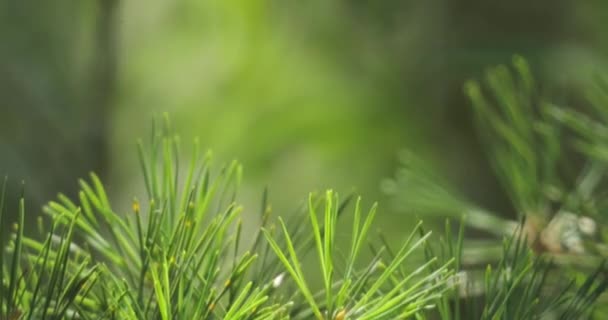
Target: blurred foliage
250,84
333,88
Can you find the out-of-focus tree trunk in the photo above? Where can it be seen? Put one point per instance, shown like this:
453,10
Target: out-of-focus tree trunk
57,80
104,70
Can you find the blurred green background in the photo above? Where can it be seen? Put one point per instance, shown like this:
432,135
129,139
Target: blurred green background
306,94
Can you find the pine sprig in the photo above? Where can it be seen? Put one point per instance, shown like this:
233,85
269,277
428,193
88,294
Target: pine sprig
377,291
520,285
523,133
177,250
44,280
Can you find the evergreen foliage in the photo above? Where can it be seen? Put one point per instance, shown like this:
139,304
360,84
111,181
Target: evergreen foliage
181,253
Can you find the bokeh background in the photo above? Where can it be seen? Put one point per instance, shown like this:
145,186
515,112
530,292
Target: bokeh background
306,94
